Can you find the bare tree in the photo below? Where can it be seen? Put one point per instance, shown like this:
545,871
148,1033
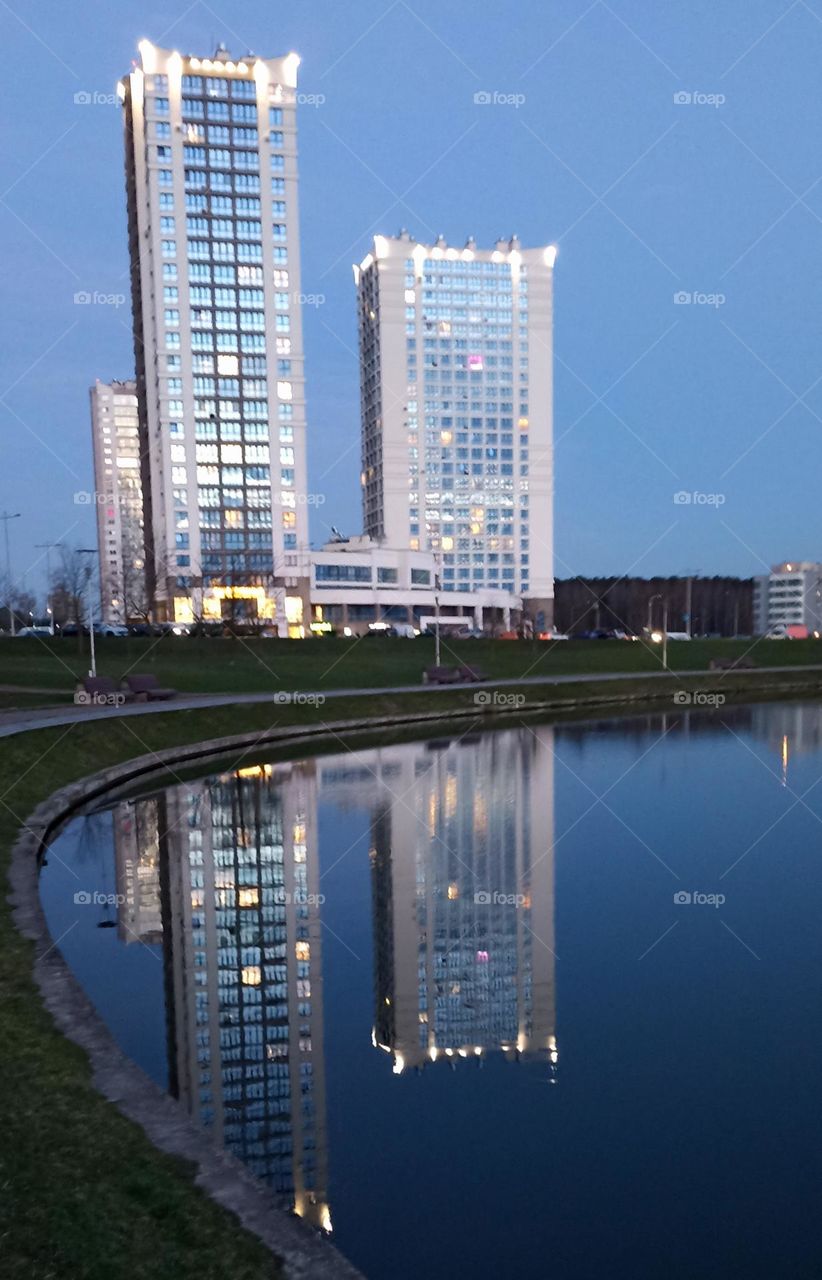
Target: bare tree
69,587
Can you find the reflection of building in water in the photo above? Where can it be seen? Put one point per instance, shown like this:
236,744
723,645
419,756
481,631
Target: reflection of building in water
463,900
789,729
137,871
243,972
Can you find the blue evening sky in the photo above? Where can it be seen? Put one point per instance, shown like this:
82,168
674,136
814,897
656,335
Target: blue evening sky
645,197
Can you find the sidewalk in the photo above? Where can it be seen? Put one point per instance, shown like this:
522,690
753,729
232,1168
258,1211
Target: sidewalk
24,720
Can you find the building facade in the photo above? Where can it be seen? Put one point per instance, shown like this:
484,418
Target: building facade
790,595
211,177
118,494
457,417
358,582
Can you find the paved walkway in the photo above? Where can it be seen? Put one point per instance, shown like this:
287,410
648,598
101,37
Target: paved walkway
22,721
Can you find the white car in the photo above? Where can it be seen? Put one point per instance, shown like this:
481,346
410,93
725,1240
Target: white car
34,631
110,629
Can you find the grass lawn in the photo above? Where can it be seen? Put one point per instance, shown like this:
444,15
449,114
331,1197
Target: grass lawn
197,665
82,1191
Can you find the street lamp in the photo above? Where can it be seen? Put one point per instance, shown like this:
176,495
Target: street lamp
48,547
658,596
5,517
90,551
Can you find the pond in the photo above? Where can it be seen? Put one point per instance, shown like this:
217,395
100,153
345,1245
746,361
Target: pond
537,1001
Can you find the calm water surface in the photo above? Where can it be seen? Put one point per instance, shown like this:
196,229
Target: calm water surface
541,1002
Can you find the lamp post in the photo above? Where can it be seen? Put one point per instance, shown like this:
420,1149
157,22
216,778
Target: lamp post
48,547
665,635
5,517
658,596
90,551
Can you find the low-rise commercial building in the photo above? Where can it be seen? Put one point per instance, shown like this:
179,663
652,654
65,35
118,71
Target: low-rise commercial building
790,595
356,582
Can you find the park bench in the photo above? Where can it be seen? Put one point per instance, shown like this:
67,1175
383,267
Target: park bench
146,688
441,675
452,675
98,689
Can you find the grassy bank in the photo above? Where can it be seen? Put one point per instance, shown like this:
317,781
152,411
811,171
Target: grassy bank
84,1194
247,666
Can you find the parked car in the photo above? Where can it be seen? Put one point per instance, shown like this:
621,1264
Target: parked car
171,629
34,631
552,635
110,629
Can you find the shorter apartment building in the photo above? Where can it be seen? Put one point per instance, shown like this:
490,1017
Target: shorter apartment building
358,581
790,595
118,497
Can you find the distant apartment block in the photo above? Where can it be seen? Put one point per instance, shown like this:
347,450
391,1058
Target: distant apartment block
119,499
457,418
790,595
211,177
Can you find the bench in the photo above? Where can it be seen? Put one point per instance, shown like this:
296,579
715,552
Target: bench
472,675
146,689
453,675
732,664
441,675
97,689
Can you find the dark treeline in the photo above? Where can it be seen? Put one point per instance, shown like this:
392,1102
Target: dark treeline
719,606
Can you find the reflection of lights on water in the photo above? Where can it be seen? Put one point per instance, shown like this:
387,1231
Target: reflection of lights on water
785,754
